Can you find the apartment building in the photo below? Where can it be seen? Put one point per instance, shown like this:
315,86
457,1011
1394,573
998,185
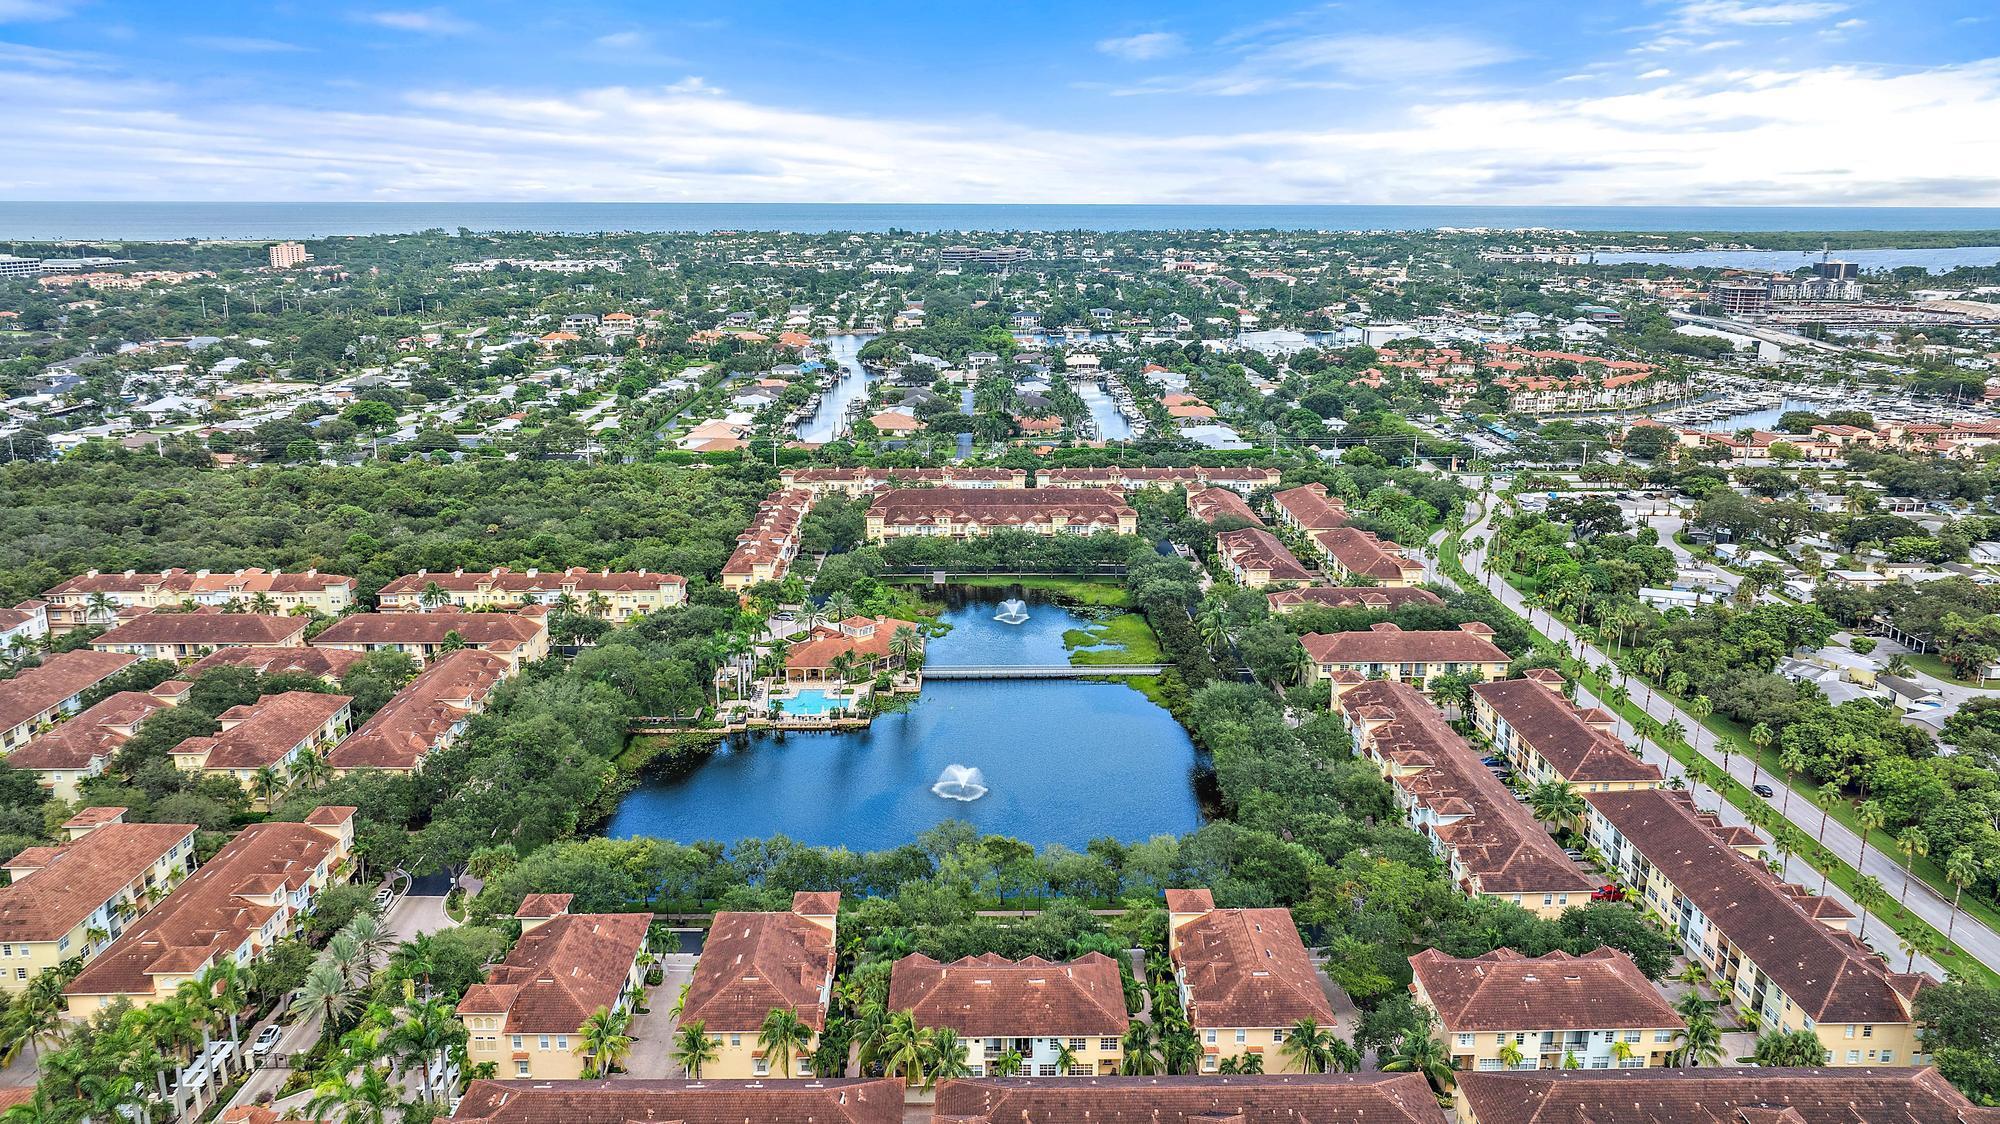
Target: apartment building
755,963
76,750
51,690
1548,738
1245,978
1504,1010
1243,479
868,480
241,901
424,717
75,898
1309,509
1385,651
169,634
326,664
1255,558
1376,598
1034,1008
1491,843
271,733
961,513
24,624
527,1018
518,638
765,549
1770,947
1351,554
1211,505
97,598
1746,1095
288,255
615,596
708,1101
1293,1098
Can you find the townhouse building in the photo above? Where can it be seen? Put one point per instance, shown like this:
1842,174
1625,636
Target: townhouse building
233,908
1255,558
169,634
1507,1011
423,718
271,733
95,597
1292,1098
527,1018
1385,651
1377,598
1060,1020
708,1101
1548,738
76,750
73,899
1242,479
755,963
52,690
517,638
325,664
868,480
1216,503
1309,509
615,596
1727,1093
1491,843
1352,554
24,624
961,513
1770,947
765,549
1244,977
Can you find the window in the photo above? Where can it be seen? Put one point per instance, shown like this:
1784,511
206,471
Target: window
1600,1063
1047,1069
1081,1069
1076,1044
1850,1030
20,973
1888,1057
1242,1036
542,1042
1663,1036
760,1067
1633,1063
521,1069
562,1041
1867,1030
736,1040
1208,1063
1208,1036
1278,1036
1489,1063
1631,1036
1854,1057
517,1042
1107,1044
1466,1039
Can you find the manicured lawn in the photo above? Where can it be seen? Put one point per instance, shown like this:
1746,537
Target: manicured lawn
1108,592
1133,637
1938,669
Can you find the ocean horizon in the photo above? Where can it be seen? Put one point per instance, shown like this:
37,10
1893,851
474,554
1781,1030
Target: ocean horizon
177,221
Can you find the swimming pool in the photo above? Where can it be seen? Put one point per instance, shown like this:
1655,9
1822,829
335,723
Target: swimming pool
812,700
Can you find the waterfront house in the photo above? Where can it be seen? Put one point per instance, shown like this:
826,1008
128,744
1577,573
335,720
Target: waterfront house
1245,978
1385,651
868,640
755,963
74,898
527,1018
1041,1011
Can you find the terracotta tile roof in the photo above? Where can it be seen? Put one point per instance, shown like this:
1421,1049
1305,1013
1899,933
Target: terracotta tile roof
1211,504
1388,597
773,531
537,906
867,637
248,582
1385,642
1504,990
327,663
1831,975
560,972
1494,838
1312,508
533,583
990,995
56,679
478,630
1360,552
413,723
1196,900
68,882
264,732
208,915
882,477
95,733
1292,1098
1118,476
1720,1096
208,626
998,506
754,963
1245,967
1253,548
1562,734
628,1101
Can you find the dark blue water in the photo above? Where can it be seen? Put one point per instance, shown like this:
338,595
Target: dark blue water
169,221
1065,762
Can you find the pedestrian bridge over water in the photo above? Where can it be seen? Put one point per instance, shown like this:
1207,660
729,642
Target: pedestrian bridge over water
1050,671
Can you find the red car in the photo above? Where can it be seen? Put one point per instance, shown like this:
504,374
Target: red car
1608,894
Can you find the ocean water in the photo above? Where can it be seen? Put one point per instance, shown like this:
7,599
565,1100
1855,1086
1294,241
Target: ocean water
168,221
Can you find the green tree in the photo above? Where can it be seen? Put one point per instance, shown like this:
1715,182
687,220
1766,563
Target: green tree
693,1047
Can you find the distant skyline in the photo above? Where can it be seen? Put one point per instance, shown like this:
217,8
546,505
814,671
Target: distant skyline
1679,102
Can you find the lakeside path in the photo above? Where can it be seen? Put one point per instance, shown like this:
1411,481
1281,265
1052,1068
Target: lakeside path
1970,934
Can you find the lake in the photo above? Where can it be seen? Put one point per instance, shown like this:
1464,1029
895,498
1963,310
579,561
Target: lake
1063,761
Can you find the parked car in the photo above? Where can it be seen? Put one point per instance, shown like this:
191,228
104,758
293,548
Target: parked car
267,1040
1764,790
1490,762
1574,854
1608,894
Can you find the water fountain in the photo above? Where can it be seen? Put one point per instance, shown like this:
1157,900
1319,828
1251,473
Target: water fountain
960,782
1013,611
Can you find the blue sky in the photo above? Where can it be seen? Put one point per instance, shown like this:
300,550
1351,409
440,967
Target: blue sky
1675,101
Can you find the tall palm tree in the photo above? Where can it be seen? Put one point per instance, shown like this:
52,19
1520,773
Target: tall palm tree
433,595
1066,1058
1306,1044
1961,869
1555,803
604,1043
327,990
1825,799
1912,842
310,770
370,1101
902,1049
905,648
99,607
36,1018
263,603
1761,738
948,1056
1141,1050
1419,1051
783,1036
1793,762
1868,894
266,784
1869,817
693,1048
427,1031
1700,1042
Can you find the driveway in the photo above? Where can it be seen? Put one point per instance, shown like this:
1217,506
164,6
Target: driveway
653,1032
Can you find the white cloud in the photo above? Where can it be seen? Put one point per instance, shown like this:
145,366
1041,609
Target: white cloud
427,21
1143,47
625,41
1333,62
1743,13
32,11
243,45
1660,72
1742,136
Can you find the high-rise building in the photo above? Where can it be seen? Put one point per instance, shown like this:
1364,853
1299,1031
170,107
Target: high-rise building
285,255
1837,270
1743,298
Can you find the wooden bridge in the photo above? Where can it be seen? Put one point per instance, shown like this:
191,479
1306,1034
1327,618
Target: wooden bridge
1050,671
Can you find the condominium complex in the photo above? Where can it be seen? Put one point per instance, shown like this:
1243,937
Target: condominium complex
518,638
1548,738
970,512
73,752
526,1019
72,899
615,596
755,963
1255,558
1385,651
424,717
38,696
169,634
765,549
97,598
1059,1020
1352,554
1245,978
271,733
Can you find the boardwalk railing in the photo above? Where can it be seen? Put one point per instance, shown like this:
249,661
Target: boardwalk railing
1050,671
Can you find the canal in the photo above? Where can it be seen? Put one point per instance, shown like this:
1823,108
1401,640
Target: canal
1062,761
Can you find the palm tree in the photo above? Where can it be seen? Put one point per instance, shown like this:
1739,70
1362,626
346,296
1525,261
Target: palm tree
369,1102
371,939
1700,1042
1912,842
693,1048
1250,1064
263,603
1306,1043
840,606
783,1036
1961,869
1142,1050
310,770
1006,1065
1868,894
597,605
1825,799
36,1018
1760,740
1555,802
1793,762
1870,817
427,1031
266,783
1066,1058
947,1056
1420,1052
327,990
99,606
903,1049
433,595
904,647
1510,1055
603,1041
1622,1051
